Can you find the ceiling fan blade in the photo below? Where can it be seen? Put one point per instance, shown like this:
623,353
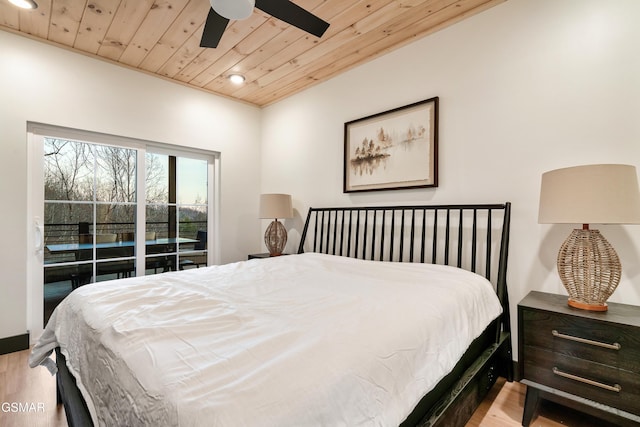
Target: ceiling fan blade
213,29
293,14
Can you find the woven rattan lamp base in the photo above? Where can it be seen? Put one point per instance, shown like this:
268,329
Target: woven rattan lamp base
275,238
589,268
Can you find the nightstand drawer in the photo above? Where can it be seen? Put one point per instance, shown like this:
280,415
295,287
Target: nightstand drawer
607,343
594,381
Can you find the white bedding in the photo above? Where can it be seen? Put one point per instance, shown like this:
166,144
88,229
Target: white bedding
301,340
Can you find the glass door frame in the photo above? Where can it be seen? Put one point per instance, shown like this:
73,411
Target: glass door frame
36,133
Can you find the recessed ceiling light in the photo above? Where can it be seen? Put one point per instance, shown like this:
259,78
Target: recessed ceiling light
25,4
237,79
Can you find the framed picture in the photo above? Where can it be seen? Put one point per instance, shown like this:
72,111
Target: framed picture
393,150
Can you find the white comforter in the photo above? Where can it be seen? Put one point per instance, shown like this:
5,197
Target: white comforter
302,340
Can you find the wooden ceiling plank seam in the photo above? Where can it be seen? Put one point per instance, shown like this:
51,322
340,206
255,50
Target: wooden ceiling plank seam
231,57
363,47
95,23
340,22
127,19
183,56
282,43
359,49
278,43
306,41
364,26
240,51
178,33
65,21
272,48
256,47
206,57
254,41
233,34
152,28
36,21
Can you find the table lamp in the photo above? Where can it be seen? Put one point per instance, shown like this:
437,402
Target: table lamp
588,265
275,206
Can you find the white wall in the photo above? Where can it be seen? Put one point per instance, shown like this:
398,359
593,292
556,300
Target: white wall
46,84
525,87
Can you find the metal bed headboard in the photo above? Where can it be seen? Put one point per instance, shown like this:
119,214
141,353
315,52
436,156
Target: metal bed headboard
472,236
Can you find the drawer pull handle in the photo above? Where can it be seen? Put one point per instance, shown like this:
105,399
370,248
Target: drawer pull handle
614,346
616,387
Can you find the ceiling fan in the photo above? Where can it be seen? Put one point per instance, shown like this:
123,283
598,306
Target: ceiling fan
223,10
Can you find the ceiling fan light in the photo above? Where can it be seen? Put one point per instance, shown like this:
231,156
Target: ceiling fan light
25,4
233,9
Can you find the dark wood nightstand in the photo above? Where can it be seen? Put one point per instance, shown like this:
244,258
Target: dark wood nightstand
581,359
263,255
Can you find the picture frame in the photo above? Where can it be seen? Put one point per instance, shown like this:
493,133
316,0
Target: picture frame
395,149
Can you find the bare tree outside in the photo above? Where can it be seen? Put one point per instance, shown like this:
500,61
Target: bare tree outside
74,171
80,175
68,170
92,197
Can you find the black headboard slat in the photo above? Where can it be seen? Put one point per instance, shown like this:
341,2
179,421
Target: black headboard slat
474,240
459,264
488,258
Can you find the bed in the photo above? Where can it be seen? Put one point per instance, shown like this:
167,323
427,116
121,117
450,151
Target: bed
385,316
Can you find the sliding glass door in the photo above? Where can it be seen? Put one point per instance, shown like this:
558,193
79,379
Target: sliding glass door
89,215
118,208
176,211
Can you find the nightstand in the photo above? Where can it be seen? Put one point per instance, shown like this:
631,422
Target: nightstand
581,359
263,255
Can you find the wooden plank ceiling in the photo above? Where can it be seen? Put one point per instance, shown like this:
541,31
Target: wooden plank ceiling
162,37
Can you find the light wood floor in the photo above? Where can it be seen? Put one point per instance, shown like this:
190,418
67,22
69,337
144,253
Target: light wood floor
21,384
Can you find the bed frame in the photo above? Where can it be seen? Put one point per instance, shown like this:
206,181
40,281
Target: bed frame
474,237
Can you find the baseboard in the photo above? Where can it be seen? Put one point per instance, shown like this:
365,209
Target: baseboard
17,343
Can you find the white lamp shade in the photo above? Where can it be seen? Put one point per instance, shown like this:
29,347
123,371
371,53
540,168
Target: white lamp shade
276,206
590,194
233,9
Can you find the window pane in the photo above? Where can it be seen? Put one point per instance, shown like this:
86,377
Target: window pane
65,223
159,264
112,218
158,221
193,259
68,170
114,270
115,174
192,181
157,178
193,226
192,219
62,274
